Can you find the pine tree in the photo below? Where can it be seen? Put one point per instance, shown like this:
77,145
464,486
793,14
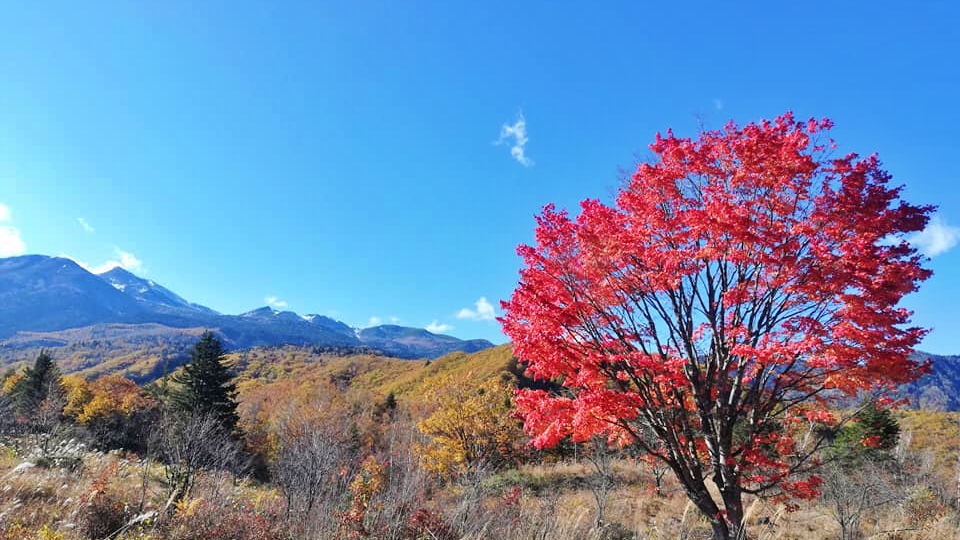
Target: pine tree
204,385
38,384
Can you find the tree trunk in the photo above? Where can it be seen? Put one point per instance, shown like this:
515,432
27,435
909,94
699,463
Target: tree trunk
727,524
706,505
733,502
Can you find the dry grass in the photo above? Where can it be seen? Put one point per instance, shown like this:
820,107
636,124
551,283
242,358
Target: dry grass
563,508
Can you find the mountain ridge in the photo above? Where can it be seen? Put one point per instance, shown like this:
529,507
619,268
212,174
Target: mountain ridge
42,294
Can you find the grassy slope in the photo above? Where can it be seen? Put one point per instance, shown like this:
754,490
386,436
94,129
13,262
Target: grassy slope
258,368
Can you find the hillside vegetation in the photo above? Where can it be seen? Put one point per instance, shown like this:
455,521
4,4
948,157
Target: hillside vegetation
364,446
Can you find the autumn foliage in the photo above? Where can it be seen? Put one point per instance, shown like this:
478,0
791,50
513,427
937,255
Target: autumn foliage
739,281
105,396
470,428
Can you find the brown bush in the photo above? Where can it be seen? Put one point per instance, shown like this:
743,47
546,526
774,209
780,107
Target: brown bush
199,519
103,515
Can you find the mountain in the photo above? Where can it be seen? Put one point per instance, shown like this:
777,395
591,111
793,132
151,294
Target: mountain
50,301
404,342
148,293
52,293
328,323
940,389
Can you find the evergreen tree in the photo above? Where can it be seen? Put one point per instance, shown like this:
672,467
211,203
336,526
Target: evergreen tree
41,382
871,436
204,385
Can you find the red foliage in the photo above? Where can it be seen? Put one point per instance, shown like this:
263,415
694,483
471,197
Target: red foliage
426,523
737,276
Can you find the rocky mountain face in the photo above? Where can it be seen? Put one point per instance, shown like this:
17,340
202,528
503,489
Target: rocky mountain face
41,297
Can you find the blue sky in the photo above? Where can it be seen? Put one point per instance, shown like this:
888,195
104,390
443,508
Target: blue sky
341,157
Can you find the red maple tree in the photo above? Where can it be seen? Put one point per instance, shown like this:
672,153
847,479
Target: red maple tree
741,281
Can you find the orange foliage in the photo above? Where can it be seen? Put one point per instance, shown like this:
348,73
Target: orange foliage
107,395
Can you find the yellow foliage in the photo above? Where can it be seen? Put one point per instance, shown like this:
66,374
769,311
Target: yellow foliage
368,482
187,507
108,395
46,533
78,394
19,532
14,532
471,425
12,381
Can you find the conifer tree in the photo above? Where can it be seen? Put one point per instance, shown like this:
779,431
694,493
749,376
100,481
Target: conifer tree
871,436
205,386
38,384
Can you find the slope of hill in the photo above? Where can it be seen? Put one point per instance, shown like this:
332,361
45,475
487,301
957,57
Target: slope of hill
261,371
940,389
50,301
141,352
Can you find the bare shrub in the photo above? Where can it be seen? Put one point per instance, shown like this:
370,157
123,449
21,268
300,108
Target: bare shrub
189,443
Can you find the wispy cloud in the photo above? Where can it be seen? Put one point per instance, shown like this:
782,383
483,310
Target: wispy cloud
517,134
937,238
11,244
718,104
438,328
122,259
87,227
374,321
394,319
483,311
275,302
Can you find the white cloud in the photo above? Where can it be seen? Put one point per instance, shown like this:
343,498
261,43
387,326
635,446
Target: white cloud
394,319
128,261
937,238
484,311
438,328
86,225
718,104
275,302
374,321
11,244
122,259
518,132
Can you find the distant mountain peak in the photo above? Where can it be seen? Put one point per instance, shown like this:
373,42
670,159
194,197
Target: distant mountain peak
49,294
118,272
147,291
265,311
